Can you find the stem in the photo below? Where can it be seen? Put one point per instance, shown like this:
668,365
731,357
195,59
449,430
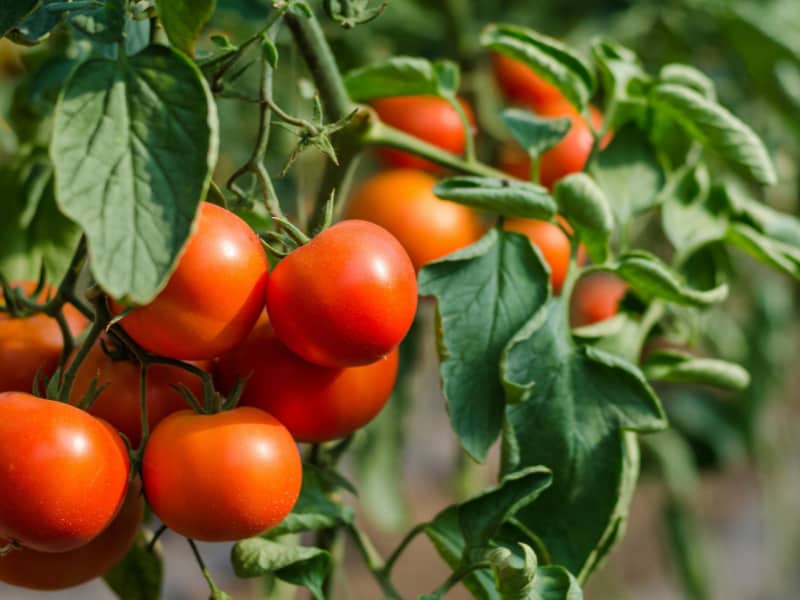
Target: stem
373,562
457,576
143,410
407,539
206,574
101,319
469,147
156,536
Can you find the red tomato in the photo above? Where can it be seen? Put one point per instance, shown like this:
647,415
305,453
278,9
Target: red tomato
33,343
59,570
316,404
346,298
596,298
428,118
63,473
522,84
214,296
402,201
221,477
118,403
515,161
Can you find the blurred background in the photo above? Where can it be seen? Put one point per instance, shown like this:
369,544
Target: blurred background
716,511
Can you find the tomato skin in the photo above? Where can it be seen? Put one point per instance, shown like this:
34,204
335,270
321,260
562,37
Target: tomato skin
221,477
32,343
596,298
520,83
59,570
63,473
214,296
402,201
346,298
316,404
118,403
428,118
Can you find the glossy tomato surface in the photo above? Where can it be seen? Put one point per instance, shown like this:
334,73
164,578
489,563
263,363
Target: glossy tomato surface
32,343
119,403
596,298
522,84
346,298
214,296
428,118
316,404
221,477
63,473
402,202
59,570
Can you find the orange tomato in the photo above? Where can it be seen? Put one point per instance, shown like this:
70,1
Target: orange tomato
520,83
596,298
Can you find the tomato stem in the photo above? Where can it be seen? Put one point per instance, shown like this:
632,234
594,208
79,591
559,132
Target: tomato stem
101,319
206,573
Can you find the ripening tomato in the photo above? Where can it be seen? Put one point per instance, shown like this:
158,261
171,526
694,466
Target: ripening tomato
214,296
63,473
59,570
596,298
221,477
428,118
402,201
520,83
119,402
346,298
316,404
32,343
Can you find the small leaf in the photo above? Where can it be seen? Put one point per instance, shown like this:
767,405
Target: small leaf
521,578
587,209
625,82
448,77
781,226
401,76
688,76
270,52
776,254
507,197
140,575
678,367
183,20
14,11
534,134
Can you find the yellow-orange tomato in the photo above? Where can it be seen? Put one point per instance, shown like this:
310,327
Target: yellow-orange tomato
402,202
520,83
596,298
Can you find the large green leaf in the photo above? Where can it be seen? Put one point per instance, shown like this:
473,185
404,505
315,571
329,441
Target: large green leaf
504,196
103,23
14,11
484,294
140,575
183,20
134,145
402,76
579,403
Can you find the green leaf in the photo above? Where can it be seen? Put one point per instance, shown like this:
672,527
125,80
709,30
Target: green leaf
484,294
629,173
140,575
715,127
679,367
402,76
14,11
587,209
582,437
521,578
507,197
781,226
183,20
134,145
300,565
690,77
625,82
552,60
104,24
535,134
776,254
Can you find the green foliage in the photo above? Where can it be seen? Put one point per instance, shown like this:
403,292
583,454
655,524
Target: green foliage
402,76
588,210
11,13
140,575
534,134
506,197
183,20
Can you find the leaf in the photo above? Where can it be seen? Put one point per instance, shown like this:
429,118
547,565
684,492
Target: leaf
521,578
629,173
587,209
402,76
776,254
625,82
533,133
715,127
781,226
582,437
484,294
552,60
140,575
690,77
678,367
183,20
301,565
133,148
507,197
105,24
14,11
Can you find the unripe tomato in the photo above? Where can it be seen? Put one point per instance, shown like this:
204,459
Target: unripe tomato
346,298
63,473
596,298
428,118
32,343
118,403
402,201
59,570
316,404
221,477
520,83
214,296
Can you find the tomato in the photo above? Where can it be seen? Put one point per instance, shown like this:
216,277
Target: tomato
596,298
63,473
316,404
522,84
402,201
428,118
221,477
118,403
214,296
58,570
32,343
346,298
